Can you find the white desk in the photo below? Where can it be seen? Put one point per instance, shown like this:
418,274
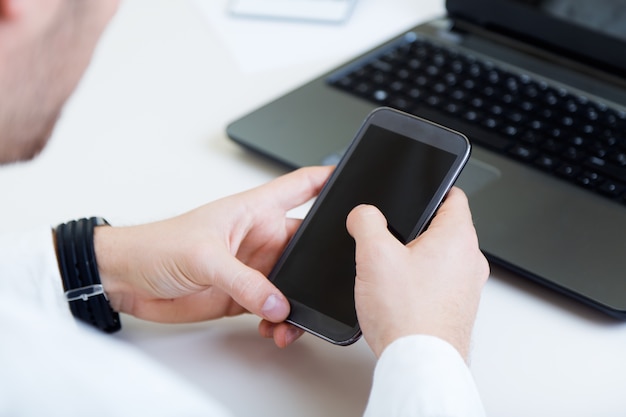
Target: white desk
144,139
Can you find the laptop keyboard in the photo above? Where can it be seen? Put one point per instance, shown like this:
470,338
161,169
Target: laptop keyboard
562,133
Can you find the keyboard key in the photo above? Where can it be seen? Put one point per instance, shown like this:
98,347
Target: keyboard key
619,159
568,170
589,179
610,170
612,189
547,162
523,152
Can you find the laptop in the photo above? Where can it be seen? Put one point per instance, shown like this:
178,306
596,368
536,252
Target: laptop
539,88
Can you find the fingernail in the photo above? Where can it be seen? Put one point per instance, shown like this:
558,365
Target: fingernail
275,308
292,334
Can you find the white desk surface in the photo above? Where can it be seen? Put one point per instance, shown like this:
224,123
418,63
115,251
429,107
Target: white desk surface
144,139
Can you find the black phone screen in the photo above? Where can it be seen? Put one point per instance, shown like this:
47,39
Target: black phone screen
398,174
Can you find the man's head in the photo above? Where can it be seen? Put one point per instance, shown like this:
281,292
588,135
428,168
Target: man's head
45,47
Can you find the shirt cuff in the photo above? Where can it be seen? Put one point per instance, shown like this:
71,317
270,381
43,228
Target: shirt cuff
29,271
422,375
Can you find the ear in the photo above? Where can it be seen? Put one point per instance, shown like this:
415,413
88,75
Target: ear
10,9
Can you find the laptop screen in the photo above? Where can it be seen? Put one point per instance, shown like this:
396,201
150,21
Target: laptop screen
604,16
591,31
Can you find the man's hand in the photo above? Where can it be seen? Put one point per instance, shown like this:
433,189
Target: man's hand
210,262
431,286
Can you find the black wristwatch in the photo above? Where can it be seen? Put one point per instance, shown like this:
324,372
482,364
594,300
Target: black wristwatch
79,270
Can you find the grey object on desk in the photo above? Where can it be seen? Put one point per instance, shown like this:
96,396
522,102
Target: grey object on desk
328,11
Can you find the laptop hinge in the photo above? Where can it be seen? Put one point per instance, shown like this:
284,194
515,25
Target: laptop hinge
476,34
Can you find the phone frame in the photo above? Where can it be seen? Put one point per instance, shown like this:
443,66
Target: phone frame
404,124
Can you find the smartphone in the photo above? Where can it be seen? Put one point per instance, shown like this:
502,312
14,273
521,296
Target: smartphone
397,162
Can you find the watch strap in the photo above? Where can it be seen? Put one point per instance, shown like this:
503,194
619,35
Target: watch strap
76,256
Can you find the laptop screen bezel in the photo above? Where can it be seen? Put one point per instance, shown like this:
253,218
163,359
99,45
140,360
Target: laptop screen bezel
531,24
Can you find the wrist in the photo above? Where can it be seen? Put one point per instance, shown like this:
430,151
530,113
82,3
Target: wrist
110,252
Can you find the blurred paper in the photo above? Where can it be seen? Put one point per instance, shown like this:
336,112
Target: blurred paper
316,11
265,44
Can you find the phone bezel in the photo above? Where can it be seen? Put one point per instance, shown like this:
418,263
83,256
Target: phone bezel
412,127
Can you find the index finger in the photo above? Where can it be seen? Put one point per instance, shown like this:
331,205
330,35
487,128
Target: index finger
297,187
454,210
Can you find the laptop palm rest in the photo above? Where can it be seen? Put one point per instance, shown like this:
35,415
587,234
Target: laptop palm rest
512,218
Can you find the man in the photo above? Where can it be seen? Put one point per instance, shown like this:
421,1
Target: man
416,304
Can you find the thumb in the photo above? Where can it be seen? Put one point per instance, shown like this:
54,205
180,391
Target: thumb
252,290
367,223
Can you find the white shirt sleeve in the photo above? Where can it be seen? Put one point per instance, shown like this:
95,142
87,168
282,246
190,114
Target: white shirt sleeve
423,376
52,365
29,272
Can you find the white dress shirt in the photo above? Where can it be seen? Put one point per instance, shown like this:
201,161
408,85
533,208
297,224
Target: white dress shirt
51,365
